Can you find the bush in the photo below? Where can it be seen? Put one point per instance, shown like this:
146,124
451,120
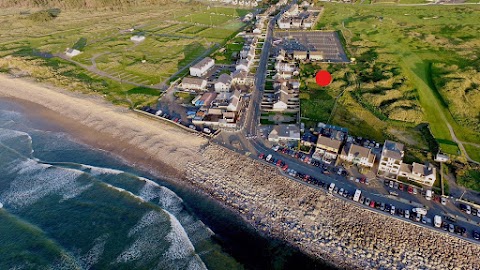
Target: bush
470,179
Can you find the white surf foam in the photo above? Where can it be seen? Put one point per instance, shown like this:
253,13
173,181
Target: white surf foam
92,256
96,171
34,180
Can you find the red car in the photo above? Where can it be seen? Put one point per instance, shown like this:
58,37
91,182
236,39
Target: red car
410,189
285,167
279,163
400,186
372,204
261,156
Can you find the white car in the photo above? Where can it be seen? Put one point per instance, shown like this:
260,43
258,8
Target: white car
407,214
391,184
340,192
392,210
468,210
444,201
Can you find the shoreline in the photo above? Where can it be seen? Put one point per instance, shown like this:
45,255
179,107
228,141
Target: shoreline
340,233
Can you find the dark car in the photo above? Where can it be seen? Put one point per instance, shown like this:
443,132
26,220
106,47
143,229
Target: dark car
476,235
387,208
450,218
445,226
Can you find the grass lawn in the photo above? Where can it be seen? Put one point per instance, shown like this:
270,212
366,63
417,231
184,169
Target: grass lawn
102,37
473,152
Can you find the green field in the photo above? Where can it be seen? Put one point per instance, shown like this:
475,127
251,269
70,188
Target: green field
171,43
396,47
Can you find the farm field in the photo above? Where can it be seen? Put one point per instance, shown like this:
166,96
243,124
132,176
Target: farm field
171,42
409,67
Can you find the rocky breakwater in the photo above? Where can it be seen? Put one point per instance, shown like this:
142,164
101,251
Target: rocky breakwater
337,231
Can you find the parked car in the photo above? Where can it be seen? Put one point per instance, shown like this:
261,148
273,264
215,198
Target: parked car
476,235
340,192
451,228
387,208
407,214
335,190
395,185
391,184
367,201
443,201
392,209
261,156
410,189
372,204
415,191
445,226
382,206
451,219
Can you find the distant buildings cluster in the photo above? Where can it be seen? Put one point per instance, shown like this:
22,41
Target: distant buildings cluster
284,97
298,17
243,3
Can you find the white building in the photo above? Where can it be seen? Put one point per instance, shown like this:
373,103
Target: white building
391,159
193,84
240,77
72,52
223,83
357,155
423,174
137,38
201,68
284,133
234,104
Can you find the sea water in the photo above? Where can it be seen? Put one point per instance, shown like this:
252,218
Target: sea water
67,205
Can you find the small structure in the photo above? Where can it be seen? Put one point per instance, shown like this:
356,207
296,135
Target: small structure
284,133
72,52
137,38
441,158
201,68
189,83
223,83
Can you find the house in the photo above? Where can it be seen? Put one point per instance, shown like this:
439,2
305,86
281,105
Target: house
284,23
72,52
257,31
137,38
327,148
206,99
296,22
240,77
315,55
292,11
423,174
201,68
223,83
391,159
233,106
285,67
189,83
307,23
358,155
299,55
243,65
284,133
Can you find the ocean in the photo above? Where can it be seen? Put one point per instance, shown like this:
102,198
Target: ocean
67,205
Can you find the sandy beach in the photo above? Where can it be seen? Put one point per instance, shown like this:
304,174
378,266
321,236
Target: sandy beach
342,233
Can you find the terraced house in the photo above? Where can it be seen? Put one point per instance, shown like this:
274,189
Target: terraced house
358,155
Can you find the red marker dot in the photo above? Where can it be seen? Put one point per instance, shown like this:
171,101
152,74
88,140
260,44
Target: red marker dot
323,78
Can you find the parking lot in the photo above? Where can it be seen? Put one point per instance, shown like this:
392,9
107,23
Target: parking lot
326,42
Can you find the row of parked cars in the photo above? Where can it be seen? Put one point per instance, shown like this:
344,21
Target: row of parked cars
177,120
469,210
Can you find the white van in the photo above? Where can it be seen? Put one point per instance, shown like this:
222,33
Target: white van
356,197
428,194
437,221
269,157
419,210
332,186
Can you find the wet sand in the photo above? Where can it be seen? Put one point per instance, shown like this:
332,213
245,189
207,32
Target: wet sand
322,226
